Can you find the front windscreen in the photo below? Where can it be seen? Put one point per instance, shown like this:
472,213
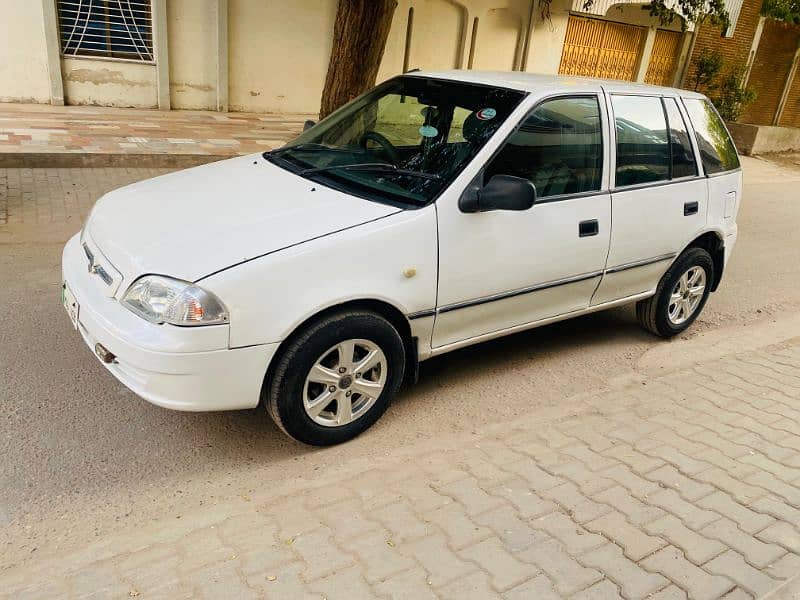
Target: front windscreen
403,142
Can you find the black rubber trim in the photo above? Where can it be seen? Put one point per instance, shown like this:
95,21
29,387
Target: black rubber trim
421,314
641,263
519,292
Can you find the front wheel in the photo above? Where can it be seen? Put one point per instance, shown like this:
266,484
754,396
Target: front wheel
680,296
336,378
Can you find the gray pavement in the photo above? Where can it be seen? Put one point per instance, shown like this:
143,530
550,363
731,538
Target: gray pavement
585,458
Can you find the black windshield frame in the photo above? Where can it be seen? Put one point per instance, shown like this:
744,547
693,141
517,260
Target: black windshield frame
465,96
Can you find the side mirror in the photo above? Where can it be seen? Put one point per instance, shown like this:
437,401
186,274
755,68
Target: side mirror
503,192
308,125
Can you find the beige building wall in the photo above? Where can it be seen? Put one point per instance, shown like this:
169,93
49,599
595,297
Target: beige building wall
23,55
191,31
109,82
278,53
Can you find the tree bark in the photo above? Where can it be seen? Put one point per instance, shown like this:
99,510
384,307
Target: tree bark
359,39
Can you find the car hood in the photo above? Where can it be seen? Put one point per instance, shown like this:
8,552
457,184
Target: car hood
198,221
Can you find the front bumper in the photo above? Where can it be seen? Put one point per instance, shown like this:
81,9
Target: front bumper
182,368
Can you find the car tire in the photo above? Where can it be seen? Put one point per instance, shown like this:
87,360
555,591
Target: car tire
314,384
676,305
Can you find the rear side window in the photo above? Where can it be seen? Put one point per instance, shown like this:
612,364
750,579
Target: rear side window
683,163
558,147
716,147
642,143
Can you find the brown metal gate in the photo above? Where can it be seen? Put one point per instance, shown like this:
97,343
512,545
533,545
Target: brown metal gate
664,59
603,49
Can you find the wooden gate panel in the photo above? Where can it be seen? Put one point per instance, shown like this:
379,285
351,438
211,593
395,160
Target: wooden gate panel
604,49
664,59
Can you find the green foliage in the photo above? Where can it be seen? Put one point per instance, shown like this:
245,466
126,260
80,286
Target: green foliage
782,10
731,96
707,66
693,11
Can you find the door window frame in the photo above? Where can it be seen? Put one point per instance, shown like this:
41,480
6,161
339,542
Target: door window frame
696,145
690,128
478,181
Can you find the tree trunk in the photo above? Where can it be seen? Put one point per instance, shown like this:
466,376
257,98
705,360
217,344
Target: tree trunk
359,39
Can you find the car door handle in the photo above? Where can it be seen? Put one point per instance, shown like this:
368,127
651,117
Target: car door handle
690,208
588,228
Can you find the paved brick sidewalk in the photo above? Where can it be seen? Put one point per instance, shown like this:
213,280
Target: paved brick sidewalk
35,135
684,485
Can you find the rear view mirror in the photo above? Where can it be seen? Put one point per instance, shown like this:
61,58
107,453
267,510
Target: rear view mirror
308,125
503,192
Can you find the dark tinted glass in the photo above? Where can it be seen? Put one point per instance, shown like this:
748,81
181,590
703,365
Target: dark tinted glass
559,148
683,164
716,147
642,146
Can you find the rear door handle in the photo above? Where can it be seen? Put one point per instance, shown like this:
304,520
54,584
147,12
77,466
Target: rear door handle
588,228
690,208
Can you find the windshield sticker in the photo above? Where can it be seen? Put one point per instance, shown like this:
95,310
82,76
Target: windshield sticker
486,114
428,131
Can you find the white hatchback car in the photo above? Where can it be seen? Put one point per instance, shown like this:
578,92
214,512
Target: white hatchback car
437,210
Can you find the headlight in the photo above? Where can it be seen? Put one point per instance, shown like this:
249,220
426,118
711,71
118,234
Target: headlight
162,299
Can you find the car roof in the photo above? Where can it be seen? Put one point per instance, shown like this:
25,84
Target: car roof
532,82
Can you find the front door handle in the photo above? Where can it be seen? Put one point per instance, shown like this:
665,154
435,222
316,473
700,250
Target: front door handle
690,208
588,228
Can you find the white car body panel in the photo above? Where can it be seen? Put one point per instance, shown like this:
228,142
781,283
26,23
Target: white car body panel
278,249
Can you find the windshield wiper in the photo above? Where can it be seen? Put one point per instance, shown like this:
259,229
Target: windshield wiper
371,167
305,147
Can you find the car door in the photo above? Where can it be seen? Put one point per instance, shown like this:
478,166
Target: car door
503,269
658,200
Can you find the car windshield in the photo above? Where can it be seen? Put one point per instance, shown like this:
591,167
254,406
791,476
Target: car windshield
402,142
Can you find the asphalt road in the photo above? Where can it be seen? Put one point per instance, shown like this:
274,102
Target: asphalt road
82,456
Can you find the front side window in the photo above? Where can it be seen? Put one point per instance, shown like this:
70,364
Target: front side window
106,28
683,163
716,147
403,142
642,143
558,147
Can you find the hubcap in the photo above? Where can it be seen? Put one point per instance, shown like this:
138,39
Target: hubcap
686,295
345,382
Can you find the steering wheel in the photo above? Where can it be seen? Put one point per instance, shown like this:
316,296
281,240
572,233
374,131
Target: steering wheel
381,140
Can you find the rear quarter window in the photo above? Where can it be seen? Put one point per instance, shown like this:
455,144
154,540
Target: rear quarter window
715,144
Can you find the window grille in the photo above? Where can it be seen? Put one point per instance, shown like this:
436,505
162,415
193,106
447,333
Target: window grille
108,28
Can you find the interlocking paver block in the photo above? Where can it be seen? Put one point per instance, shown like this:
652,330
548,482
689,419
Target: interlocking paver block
402,522
580,508
379,556
756,552
672,592
344,584
527,502
320,553
221,580
785,567
593,460
788,492
697,548
568,575
732,565
572,536
505,570
408,585
471,496
690,514
746,519
515,534
528,469
588,481
783,534
636,512
688,488
457,526
743,492
538,588
671,563
603,590
284,582
433,554
635,543
631,579
685,463
346,520
636,485
474,586
421,495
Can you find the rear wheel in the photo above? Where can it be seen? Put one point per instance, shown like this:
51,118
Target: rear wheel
336,378
680,296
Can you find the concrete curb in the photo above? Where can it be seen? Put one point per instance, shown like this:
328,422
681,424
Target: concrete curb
61,160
